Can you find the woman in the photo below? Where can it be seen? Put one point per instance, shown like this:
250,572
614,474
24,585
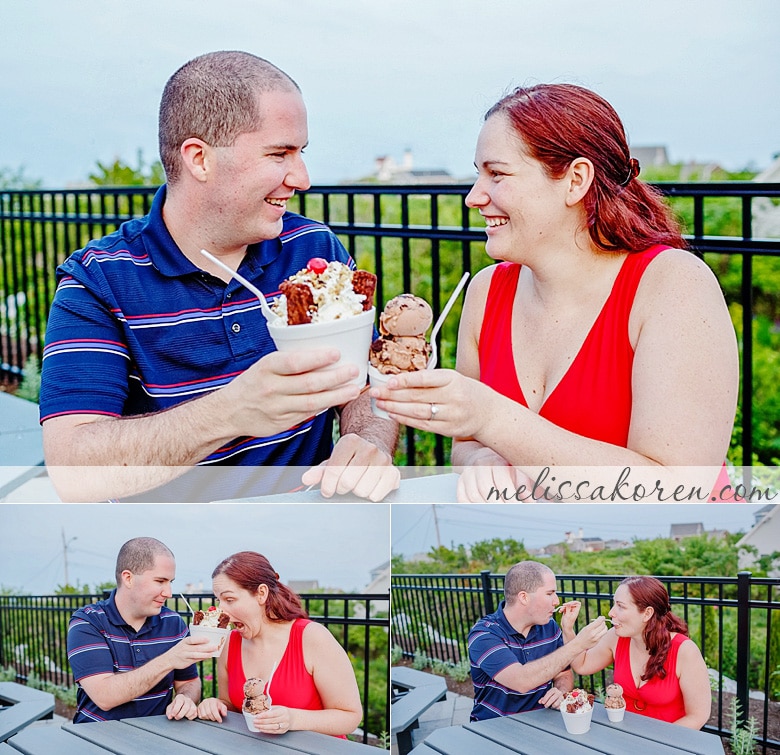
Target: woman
313,685
597,340
660,668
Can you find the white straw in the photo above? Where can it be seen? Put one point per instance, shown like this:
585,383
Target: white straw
270,315
187,604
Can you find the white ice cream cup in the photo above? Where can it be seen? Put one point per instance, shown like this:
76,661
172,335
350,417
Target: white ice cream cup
216,636
577,723
376,378
250,720
350,335
616,714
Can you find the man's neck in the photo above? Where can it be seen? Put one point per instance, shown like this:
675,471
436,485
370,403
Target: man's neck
518,620
125,608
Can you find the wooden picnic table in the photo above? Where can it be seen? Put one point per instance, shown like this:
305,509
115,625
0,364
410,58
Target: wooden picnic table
22,706
541,732
157,734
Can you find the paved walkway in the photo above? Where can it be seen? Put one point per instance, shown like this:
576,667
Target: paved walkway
453,711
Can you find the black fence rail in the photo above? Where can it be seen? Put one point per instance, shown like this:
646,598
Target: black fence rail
735,621
33,640
418,238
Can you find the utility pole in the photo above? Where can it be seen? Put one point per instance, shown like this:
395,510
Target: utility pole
436,525
65,544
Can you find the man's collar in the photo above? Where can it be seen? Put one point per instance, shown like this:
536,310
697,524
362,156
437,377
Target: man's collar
508,627
170,261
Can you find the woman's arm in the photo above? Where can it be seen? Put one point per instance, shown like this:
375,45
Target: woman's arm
601,655
695,686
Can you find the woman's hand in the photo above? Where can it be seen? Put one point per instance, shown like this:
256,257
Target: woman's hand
212,709
439,401
277,720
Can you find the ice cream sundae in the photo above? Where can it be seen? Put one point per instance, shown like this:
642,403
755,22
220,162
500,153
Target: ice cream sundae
213,617
614,702
324,291
577,710
212,624
255,701
401,346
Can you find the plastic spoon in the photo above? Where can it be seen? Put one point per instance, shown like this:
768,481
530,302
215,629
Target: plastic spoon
437,327
186,603
267,311
268,686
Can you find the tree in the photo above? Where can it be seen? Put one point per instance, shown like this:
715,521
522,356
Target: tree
120,173
16,179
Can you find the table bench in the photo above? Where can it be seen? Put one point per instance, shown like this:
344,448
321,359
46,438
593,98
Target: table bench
21,442
418,691
25,706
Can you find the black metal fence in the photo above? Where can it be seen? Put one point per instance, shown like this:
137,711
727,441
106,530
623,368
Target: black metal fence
33,640
735,621
416,238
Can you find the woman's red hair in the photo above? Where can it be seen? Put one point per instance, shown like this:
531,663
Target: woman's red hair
250,570
560,122
648,591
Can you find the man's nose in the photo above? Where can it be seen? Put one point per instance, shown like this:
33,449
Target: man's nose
298,176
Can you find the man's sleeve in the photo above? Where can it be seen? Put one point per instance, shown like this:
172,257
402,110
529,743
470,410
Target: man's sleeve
86,362
489,652
88,651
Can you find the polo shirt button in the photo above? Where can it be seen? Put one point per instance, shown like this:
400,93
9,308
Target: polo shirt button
235,327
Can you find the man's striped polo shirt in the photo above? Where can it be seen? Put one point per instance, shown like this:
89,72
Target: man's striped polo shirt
494,645
101,642
135,328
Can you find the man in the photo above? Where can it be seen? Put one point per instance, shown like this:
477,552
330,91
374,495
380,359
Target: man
157,360
518,659
129,653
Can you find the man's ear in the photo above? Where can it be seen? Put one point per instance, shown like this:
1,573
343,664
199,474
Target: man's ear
195,157
125,579
579,177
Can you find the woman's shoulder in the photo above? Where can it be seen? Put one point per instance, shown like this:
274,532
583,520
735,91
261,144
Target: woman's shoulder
677,268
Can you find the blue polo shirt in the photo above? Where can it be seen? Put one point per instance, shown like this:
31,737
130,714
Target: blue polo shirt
135,328
494,645
101,642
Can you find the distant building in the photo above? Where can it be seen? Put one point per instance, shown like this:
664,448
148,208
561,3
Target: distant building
303,585
766,215
764,536
654,156
679,531
388,171
580,544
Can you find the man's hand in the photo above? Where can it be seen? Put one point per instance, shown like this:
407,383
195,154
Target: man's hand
190,650
355,466
552,698
283,389
182,707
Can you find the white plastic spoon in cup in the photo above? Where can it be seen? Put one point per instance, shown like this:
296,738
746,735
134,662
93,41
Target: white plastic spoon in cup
437,327
268,686
270,315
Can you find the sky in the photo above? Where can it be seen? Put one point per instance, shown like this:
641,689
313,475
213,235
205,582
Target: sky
83,78
537,525
336,544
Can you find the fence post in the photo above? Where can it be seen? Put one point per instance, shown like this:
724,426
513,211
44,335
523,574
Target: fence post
743,644
487,595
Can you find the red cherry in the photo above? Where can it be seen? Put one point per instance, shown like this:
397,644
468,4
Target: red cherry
213,608
575,693
317,265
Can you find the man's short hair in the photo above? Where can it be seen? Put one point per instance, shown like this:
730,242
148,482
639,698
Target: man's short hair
526,576
139,554
214,97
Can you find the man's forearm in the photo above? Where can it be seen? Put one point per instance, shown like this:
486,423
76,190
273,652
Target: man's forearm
523,677
357,418
191,689
109,691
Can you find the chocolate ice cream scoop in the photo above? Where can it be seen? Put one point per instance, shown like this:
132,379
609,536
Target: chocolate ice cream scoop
255,701
406,315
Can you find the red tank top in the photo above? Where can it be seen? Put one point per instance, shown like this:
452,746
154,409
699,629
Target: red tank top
292,685
658,698
594,397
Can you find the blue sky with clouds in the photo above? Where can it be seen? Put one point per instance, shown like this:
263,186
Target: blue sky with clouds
82,78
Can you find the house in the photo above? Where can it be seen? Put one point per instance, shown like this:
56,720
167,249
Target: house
303,585
679,531
655,156
379,585
580,544
387,170
766,214
764,536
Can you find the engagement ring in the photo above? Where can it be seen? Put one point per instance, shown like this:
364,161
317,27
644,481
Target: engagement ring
434,411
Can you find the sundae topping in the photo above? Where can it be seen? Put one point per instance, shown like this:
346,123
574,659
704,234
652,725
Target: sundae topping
614,697
255,701
578,701
211,618
401,346
325,291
